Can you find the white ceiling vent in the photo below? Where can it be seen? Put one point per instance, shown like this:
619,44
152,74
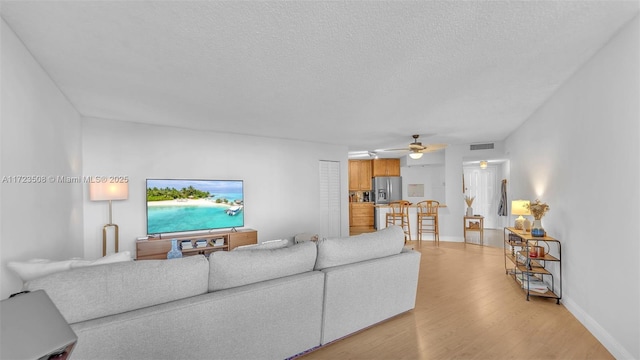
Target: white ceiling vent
488,146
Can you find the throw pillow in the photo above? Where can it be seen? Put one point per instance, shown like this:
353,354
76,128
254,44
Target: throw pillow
36,268
111,258
271,244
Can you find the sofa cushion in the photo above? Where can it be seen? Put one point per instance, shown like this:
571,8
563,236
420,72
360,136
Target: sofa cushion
228,269
271,244
96,291
347,250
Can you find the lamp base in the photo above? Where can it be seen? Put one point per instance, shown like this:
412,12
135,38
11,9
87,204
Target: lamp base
519,224
104,237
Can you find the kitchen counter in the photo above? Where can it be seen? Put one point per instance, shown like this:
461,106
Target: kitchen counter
411,206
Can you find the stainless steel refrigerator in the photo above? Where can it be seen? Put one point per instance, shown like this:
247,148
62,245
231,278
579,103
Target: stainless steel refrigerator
385,190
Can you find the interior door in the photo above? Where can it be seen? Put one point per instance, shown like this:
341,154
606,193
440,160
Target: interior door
484,185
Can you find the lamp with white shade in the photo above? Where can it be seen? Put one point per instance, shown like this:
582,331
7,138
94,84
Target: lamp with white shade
108,191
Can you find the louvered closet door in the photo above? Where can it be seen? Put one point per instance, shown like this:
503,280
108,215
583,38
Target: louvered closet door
329,198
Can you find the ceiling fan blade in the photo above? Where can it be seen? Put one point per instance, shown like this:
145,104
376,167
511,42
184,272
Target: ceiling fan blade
390,150
432,148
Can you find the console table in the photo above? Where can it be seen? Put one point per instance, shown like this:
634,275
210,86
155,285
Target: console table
157,248
534,260
467,227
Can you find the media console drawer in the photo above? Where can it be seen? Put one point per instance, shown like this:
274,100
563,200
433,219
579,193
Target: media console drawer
158,248
242,238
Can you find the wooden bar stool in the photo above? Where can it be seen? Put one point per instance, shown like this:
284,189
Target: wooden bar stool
428,220
399,215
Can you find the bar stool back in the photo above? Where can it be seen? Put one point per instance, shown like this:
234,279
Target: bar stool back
399,215
428,220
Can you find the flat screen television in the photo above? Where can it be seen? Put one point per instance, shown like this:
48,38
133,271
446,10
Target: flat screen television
179,205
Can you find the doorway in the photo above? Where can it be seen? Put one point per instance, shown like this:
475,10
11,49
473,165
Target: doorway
485,184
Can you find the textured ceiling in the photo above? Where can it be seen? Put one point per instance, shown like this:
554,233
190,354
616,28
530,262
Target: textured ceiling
364,74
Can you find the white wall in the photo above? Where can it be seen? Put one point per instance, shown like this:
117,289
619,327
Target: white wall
579,153
281,177
41,136
432,179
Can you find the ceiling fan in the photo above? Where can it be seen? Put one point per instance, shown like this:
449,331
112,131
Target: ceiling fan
416,149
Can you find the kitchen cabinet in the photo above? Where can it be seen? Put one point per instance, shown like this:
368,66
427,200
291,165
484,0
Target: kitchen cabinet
361,214
386,167
360,175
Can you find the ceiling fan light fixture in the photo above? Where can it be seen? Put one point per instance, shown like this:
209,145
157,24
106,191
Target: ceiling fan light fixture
415,155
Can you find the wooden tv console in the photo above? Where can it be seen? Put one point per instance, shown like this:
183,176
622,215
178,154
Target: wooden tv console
158,248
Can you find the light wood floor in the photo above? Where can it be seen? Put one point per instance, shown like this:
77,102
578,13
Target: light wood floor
467,308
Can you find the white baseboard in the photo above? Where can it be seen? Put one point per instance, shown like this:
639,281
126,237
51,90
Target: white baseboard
609,342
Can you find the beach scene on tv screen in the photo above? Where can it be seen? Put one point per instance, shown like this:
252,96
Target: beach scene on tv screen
189,205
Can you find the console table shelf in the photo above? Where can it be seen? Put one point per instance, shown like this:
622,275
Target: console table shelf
467,223
158,248
527,266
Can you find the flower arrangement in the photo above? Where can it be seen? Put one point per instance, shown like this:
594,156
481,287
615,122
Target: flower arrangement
469,200
538,209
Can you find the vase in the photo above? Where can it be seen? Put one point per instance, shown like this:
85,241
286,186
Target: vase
469,211
536,229
174,253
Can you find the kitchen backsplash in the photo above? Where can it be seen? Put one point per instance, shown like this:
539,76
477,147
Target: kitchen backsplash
360,196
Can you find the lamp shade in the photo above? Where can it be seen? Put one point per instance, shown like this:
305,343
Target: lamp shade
520,207
415,155
483,164
108,191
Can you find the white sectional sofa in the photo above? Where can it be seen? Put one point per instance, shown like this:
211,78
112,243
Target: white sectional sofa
251,304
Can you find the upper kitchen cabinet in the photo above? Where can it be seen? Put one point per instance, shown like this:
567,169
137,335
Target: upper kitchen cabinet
359,175
386,167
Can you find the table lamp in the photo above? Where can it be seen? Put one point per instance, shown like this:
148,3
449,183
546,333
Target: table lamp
107,191
520,207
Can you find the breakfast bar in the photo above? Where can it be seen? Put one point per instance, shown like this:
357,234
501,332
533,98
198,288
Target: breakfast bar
381,211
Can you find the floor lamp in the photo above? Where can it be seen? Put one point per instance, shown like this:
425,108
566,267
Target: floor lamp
106,191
